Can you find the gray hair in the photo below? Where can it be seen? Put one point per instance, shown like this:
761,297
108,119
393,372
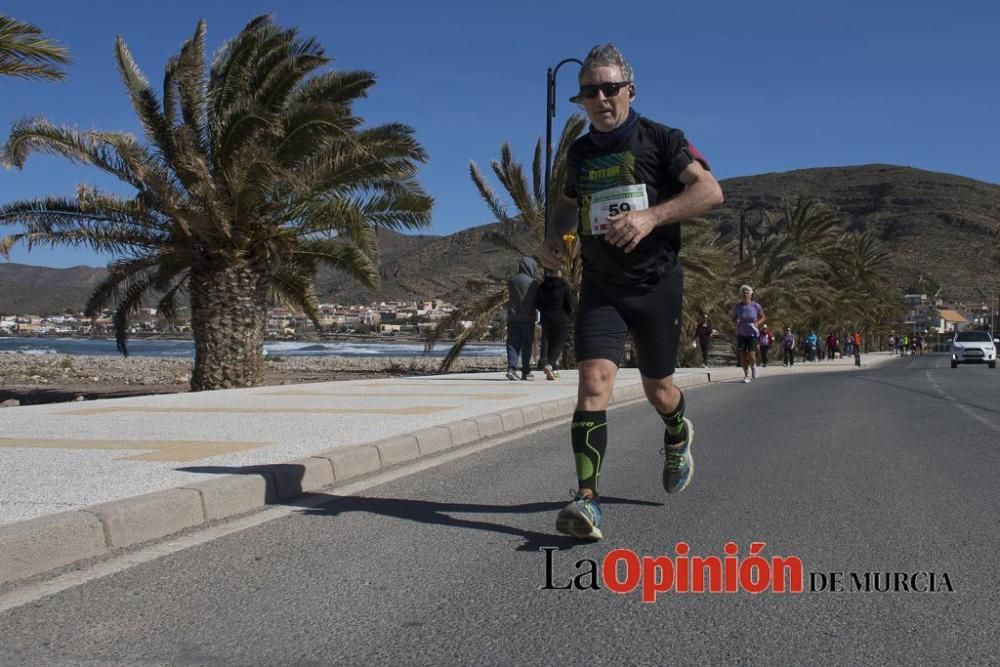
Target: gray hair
607,54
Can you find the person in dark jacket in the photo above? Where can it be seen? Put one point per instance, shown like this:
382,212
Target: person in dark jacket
522,291
703,334
555,303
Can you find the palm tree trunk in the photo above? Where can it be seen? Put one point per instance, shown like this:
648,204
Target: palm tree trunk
228,317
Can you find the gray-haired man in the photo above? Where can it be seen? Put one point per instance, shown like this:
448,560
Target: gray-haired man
629,182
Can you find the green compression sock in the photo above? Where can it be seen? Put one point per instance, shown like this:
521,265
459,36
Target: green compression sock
676,428
590,438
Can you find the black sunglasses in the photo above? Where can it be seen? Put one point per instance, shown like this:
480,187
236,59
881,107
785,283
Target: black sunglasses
609,88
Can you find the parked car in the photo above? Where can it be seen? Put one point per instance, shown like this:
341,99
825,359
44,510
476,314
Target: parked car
973,347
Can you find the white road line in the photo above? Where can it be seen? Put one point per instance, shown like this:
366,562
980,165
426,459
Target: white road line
962,406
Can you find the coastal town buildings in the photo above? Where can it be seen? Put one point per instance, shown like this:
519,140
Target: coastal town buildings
387,318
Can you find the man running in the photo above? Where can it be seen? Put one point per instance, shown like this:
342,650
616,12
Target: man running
629,182
748,316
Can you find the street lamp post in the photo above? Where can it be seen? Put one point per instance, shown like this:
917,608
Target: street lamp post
550,113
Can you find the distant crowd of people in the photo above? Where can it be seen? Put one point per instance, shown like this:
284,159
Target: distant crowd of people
904,344
550,303
753,338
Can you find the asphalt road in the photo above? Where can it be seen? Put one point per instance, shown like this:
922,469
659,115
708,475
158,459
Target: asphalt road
891,471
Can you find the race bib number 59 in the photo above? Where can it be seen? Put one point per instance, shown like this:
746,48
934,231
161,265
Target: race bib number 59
613,201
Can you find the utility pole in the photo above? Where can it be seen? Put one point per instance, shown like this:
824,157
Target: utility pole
550,112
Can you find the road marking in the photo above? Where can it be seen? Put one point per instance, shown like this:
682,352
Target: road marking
450,383
958,404
162,450
474,397
418,410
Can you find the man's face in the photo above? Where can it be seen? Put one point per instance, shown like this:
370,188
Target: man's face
606,113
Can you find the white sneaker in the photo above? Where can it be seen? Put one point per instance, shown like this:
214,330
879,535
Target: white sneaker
753,372
549,374
746,379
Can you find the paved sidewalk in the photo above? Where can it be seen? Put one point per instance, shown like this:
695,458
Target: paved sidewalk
83,479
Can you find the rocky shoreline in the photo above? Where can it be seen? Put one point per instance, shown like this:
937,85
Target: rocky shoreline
47,378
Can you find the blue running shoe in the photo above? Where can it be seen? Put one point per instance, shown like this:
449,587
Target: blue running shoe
678,463
581,519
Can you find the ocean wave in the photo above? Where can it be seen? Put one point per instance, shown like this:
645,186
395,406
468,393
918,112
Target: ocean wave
31,350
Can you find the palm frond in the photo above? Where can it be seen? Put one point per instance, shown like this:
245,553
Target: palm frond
144,99
481,313
295,288
26,53
342,256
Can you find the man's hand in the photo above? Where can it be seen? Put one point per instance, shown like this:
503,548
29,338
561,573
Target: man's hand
627,229
551,254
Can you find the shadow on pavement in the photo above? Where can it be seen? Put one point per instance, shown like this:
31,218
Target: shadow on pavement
440,513
285,487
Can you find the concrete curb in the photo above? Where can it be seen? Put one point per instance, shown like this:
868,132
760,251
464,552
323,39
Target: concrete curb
36,546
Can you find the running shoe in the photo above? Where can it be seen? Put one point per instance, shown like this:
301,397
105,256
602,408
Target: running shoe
528,376
581,519
753,372
511,374
746,379
549,373
678,463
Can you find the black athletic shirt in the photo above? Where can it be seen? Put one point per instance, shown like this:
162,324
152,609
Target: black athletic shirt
653,154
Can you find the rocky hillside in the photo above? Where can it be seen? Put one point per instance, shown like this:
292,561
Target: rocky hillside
939,226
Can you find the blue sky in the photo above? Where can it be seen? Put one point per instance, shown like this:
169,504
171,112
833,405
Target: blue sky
758,86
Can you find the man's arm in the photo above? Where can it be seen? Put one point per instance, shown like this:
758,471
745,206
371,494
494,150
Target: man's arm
701,193
763,317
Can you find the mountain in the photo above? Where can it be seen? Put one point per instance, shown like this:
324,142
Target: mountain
939,226
37,289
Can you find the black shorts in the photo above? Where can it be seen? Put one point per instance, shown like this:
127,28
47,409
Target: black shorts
746,343
604,318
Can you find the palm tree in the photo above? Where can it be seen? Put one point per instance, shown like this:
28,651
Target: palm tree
708,274
27,54
810,272
521,232
256,172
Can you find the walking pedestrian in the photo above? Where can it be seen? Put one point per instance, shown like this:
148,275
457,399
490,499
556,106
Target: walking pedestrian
788,348
703,335
555,304
522,291
832,346
764,344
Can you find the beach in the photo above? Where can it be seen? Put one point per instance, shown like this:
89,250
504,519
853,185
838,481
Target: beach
49,378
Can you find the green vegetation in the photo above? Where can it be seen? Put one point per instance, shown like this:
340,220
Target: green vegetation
521,232
256,171
809,272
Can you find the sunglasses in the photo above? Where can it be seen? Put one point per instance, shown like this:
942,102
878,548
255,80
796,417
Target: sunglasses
609,88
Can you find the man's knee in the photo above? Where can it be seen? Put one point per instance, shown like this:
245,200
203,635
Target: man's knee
597,377
661,393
